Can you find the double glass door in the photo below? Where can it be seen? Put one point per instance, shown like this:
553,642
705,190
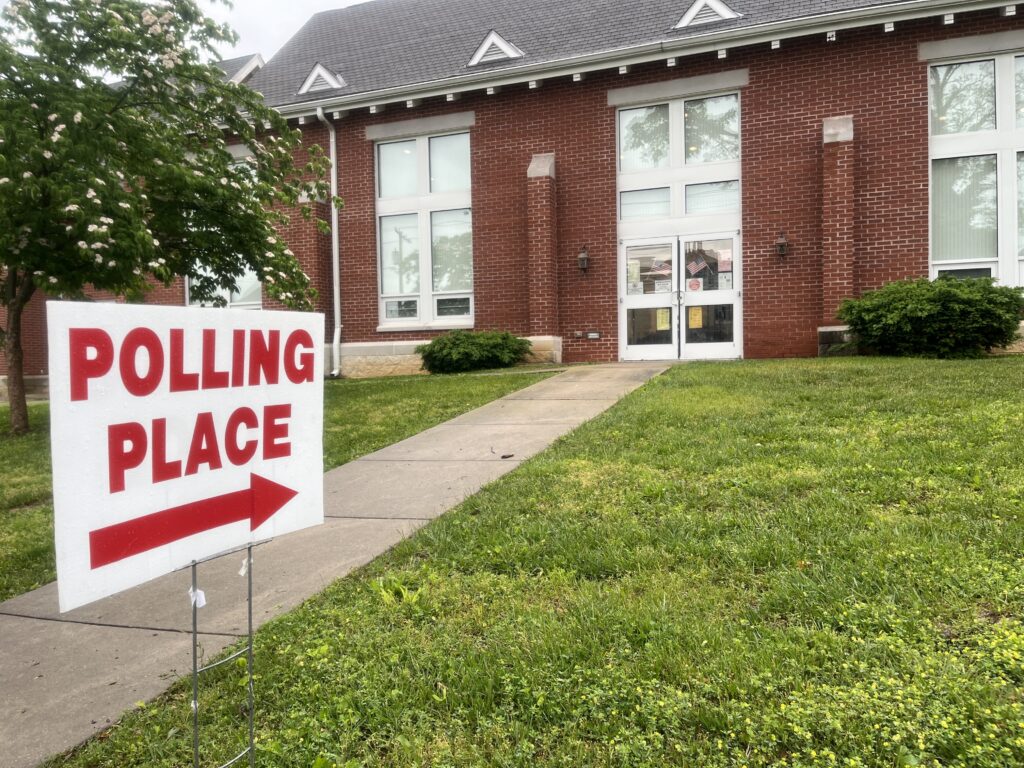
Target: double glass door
681,298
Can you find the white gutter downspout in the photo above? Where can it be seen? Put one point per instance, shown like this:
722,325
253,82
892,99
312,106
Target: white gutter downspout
335,247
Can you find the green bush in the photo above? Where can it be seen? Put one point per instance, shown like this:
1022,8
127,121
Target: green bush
944,318
472,350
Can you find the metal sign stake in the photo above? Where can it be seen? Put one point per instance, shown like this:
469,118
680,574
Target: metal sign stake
250,750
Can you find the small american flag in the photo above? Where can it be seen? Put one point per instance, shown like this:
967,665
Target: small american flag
696,266
660,269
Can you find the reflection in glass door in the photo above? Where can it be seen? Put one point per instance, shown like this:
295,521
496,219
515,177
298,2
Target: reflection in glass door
681,299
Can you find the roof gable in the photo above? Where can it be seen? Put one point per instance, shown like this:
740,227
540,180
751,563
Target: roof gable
706,12
495,48
321,79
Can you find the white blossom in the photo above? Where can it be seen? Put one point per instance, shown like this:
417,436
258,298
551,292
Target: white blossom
37,273
106,220
78,117
5,180
136,271
53,117
112,263
154,265
99,258
124,205
47,154
90,194
52,280
161,261
269,254
223,181
157,161
68,228
27,175
82,244
156,243
272,240
98,246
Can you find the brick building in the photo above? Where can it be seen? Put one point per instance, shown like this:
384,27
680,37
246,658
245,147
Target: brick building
659,180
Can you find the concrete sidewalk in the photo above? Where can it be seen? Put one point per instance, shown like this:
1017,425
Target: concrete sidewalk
64,677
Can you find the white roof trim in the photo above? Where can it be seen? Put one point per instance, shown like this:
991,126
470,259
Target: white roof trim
494,40
701,8
321,79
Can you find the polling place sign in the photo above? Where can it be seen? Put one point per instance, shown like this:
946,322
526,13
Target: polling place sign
178,433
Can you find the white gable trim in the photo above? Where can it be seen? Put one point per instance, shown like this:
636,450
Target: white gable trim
494,40
253,64
321,79
716,7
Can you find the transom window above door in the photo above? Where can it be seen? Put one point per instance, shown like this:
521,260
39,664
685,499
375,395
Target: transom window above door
680,159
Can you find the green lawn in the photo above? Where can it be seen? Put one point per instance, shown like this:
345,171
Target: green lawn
360,416
804,563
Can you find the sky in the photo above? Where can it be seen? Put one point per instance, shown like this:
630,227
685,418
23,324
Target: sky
263,26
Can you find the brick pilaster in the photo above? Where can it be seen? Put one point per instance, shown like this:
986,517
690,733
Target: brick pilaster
837,216
542,245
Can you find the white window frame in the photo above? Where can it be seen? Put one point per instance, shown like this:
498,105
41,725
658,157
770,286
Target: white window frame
1005,142
678,175
422,203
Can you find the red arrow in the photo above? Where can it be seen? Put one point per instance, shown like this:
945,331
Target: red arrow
257,504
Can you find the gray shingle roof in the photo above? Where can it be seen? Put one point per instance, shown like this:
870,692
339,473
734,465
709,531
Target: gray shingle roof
387,44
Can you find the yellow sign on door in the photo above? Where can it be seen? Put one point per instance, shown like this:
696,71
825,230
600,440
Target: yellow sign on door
696,320
664,319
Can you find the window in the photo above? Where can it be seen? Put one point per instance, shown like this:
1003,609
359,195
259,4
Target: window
425,232
248,294
680,160
977,168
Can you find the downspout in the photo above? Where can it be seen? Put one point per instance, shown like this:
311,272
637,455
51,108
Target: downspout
335,246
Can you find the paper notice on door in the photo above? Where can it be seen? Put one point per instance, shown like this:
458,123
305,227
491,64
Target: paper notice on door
725,282
695,284
696,318
664,319
663,286
725,262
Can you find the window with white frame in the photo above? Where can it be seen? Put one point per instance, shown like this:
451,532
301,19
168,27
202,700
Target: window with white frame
248,294
977,167
680,159
425,232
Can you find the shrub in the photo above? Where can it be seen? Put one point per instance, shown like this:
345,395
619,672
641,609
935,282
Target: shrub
472,350
947,317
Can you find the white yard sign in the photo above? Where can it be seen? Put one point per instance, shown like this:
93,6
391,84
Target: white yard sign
178,433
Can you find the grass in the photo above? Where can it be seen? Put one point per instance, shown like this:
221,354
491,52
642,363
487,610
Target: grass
802,563
360,416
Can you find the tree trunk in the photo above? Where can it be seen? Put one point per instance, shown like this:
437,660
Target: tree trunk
15,356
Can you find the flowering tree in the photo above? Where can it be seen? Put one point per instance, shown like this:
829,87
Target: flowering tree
121,187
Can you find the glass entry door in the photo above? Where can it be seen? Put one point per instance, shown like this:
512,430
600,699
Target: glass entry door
680,298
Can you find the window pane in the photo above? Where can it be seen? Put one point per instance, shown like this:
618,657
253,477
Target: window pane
396,171
644,203
963,97
719,197
399,255
709,325
649,326
649,269
1020,204
709,265
712,129
451,243
964,208
247,290
453,307
449,163
643,138
396,310
965,274
1020,91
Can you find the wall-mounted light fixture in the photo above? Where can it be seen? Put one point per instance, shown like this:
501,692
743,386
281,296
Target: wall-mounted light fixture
781,245
583,259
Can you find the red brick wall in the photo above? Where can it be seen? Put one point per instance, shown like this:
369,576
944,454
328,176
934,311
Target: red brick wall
871,75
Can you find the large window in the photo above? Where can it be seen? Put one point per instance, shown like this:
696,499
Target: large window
425,232
977,167
680,160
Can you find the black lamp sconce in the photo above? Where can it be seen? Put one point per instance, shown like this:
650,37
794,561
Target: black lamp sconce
583,259
781,245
